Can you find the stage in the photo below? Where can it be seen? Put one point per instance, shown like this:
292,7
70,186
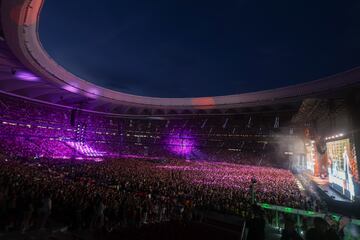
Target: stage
324,186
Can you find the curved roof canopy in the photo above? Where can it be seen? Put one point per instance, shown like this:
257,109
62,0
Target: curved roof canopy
29,71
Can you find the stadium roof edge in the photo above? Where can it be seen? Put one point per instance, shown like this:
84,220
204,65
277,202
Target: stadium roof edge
20,19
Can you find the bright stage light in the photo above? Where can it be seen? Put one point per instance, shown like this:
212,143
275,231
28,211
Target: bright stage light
26,76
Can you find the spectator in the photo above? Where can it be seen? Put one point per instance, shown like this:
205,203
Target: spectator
289,232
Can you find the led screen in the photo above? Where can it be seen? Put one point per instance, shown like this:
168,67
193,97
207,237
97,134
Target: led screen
342,168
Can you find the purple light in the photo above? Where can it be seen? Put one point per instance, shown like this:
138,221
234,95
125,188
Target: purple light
181,143
85,149
92,93
70,88
26,76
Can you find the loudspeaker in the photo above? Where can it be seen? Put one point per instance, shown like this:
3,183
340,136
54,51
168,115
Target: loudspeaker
72,117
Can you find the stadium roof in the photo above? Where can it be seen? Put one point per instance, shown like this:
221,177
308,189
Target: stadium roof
28,71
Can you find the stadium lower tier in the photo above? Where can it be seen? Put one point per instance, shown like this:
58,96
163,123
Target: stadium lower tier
135,192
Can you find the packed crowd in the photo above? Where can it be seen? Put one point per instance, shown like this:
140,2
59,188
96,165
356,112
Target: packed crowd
129,192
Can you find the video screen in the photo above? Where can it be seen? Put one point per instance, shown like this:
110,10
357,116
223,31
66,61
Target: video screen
310,156
342,167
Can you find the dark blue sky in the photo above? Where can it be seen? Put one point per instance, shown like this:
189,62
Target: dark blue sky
187,48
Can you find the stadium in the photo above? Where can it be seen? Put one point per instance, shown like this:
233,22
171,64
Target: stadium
79,159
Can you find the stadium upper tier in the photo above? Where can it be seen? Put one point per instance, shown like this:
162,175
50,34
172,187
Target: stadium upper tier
28,71
31,129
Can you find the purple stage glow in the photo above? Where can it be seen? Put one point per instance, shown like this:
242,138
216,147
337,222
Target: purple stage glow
181,143
26,76
85,149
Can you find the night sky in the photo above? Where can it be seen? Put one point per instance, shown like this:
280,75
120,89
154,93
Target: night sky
188,48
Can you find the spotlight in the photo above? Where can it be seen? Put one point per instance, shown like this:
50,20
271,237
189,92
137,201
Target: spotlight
25,76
